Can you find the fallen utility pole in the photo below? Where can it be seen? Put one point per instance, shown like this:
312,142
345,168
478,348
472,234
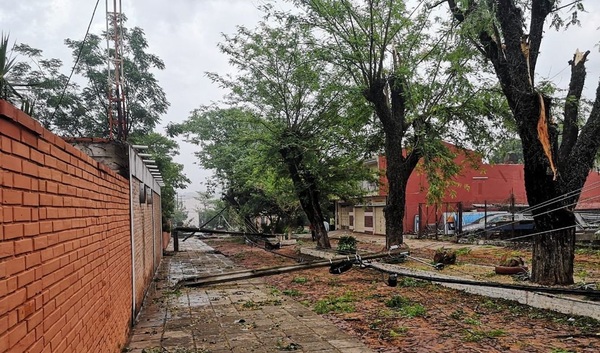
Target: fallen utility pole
346,264
247,274
206,230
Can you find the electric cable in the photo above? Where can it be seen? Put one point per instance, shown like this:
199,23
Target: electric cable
546,203
62,95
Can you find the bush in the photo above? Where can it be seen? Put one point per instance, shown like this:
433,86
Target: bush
347,245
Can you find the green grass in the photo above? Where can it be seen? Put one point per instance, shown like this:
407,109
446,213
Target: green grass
406,307
411,282
588,251
398,331
462,251
292,292
341,304
299,280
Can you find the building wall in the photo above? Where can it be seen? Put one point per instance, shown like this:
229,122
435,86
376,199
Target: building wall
65,249
157,229
476,185
147,237
359,219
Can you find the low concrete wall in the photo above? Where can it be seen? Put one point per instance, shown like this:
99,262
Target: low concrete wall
565,305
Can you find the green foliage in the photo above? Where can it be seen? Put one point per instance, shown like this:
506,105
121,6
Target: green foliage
292,292
80,111
462,251
299,280
405,306
346,245
163,150
342,304
444,93
411,282
287,139
6,67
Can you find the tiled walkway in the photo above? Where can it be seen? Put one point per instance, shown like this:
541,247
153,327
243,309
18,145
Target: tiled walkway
243,316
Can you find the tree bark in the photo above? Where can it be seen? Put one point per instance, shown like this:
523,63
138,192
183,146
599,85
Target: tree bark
308,193
400,165
553,176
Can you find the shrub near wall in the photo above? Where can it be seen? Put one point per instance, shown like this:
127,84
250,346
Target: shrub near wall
65,253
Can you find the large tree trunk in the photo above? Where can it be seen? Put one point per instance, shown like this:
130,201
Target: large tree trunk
400,164
553,176
308,193
396,200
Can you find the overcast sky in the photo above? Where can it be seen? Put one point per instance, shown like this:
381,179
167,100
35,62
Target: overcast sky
184,33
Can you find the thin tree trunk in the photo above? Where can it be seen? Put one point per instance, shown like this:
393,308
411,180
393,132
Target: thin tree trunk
308,194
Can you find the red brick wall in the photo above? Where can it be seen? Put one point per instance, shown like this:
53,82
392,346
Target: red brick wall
65,253
144,236
157,230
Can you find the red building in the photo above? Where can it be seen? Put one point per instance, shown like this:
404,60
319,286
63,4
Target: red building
478,186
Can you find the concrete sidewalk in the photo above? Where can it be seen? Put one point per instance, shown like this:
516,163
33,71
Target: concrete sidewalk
245,316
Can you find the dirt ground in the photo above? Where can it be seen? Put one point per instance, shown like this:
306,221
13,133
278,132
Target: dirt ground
418,316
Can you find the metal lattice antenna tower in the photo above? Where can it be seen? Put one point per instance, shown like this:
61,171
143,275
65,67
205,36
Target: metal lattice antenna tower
117,119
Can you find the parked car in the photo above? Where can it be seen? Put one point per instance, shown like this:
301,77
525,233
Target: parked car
501,225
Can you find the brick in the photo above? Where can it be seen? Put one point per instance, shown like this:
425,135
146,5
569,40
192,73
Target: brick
3,323
31,199
22,182
15,265
7,248
10,129
16,299
6,179
12,197
41,241
5,144
47,254
29,138
25,278
4,341
45,227
44,173
12,231
12,163
7,215
23,246
20,149
51,187
21,214
30,168
36,156
34,320
50,266
16,334
50,161
33,259
31,229
57,201
46,200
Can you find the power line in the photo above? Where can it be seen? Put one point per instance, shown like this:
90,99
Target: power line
62,95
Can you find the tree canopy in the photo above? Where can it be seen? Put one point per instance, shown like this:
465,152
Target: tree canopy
420,80
293,125
78,107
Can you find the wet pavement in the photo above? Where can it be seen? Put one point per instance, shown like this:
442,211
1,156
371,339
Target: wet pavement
243,316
